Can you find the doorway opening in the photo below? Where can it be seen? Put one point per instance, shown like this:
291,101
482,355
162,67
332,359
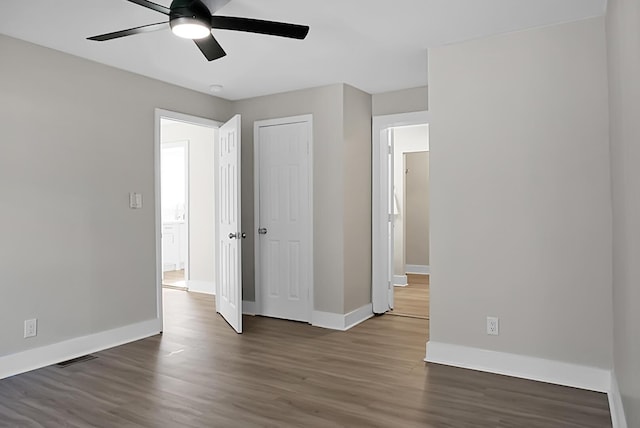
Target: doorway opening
187,205
174,200
411,221
213,257
185,210
400,243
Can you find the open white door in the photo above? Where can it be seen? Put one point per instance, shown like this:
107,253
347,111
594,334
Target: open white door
382,243
228,230
390,216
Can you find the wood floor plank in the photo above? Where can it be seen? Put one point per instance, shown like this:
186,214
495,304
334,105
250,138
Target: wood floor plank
413,299
174,278
199,373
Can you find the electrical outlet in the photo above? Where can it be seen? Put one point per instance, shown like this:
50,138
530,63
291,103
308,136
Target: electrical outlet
30,328
493,326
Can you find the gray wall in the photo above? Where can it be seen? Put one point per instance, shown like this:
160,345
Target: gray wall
357,198
416,200
77,138
520,193
326,105
402,101
623,34
341,194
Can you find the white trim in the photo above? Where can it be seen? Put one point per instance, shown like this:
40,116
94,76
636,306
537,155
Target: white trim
180,117
204,287
33,359
186,264
249,308
329,320
521,366
381,253
257,294
400,280
418,269
342,322
358,316
618,419
187,118
308,118
157,149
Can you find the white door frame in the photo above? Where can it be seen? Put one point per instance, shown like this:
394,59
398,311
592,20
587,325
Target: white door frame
381,251
179,117
308,118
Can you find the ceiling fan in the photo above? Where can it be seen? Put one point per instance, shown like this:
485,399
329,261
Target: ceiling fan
191,19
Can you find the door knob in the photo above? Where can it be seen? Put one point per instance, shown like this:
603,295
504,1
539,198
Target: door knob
233,235
262,231
244,235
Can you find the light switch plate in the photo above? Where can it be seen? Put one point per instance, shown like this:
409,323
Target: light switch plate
135,200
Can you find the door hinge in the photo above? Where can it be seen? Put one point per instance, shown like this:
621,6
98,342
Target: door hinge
389,285
390,150
390,218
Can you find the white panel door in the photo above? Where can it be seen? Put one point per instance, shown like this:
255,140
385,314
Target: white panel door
390,217
285,271
228,231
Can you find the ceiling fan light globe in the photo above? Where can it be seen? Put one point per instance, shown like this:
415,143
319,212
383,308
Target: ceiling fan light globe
192,29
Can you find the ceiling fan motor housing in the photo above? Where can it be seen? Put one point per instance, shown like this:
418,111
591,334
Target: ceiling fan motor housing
189,12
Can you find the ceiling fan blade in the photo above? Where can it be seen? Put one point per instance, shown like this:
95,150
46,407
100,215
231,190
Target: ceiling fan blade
210,47
272,28
152,6
131,31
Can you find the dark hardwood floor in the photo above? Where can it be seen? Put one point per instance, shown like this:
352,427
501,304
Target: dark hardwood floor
199,373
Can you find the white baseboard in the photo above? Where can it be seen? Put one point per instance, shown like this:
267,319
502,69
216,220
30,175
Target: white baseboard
361,314
328,320
400,281
205,287
36,358
342,322
543,370
618,419
419,269
249,308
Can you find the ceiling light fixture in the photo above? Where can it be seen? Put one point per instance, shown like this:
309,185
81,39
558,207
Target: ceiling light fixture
190,28
190,19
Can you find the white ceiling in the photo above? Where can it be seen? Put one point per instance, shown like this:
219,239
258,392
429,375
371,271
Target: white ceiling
374,45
